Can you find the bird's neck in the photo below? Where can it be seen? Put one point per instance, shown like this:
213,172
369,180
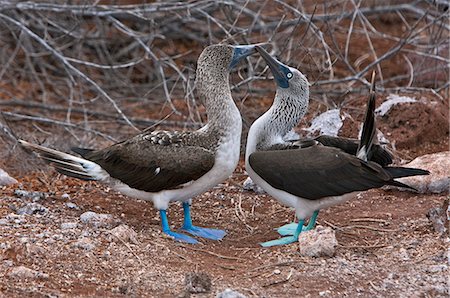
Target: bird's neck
213,89
272,126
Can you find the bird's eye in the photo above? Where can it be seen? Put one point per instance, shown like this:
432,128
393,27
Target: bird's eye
289,75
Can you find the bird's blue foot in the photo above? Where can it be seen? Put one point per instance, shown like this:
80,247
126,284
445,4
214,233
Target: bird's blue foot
281,241
181,237
287,230
286,240
290,228
176,236
213,234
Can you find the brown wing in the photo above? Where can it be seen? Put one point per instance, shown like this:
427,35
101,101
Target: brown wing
155,165
318,171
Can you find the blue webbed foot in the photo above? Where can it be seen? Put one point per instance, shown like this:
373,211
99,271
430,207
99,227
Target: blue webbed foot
176,236
213,234
287,230
286,240
181,237
290,229
281,241
207,233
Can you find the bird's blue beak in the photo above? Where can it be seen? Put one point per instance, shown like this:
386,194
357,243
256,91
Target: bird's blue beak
240,52
281,72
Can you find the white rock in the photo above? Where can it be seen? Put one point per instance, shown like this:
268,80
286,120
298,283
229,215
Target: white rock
32,208
71,205
97,220
252,186
439,179
391,101
229,293
65,196
318,242
327,123
26,273
33,195
124,233
68,225
84,243
5,179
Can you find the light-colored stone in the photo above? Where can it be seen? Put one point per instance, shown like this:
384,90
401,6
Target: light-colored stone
124,233
229,293
32,208
23,272
197,282
318,242
33,195
84,243
328,123
71,205
97,220
5,179
392,100
439,179
68,225
252,186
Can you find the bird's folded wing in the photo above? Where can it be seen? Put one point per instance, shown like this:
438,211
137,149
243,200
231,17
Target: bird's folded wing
380,155
318,171
153,167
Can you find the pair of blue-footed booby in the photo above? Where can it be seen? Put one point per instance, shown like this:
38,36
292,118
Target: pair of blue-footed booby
166,166
310,175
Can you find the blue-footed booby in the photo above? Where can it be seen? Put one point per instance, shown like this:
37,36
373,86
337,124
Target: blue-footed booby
166,166
313,174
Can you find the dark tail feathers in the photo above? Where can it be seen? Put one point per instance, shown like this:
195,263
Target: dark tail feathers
399,172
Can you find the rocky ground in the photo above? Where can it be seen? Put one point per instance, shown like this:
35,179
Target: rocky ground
60,237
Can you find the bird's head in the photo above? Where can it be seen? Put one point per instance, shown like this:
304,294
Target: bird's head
286,77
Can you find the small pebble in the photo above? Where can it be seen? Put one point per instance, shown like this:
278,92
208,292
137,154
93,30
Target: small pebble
71,205
68,225
84,243
33,195
26,273
65,196
276,271
97,220
32,208
229,293
197,282
124,233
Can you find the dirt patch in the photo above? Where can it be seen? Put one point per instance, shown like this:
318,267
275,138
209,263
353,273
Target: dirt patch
385,246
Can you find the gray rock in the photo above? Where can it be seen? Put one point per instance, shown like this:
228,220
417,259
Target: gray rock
5,179
22,272
229,293
32,195
328,123
439,179
439,218
84,243
65,196
123,233
318,242
32,208
68,225
392,100
71,205
249,185
197,282
97,220
3,221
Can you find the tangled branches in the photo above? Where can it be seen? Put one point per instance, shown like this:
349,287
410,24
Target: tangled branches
100,61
